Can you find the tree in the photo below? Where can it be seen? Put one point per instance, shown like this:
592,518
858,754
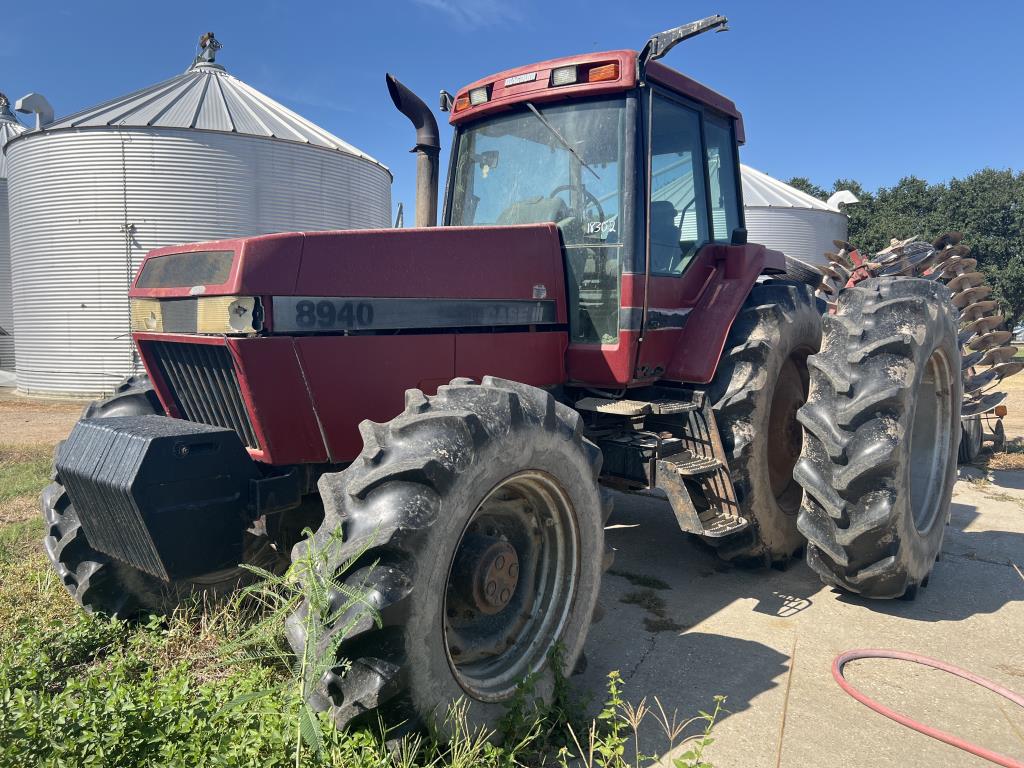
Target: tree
806,185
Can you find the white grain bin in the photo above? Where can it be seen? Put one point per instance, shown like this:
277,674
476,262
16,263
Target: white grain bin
9,128
197,157
788,220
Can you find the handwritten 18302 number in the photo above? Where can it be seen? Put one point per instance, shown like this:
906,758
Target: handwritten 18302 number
333,314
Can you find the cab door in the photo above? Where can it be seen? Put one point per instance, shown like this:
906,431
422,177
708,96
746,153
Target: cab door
692,209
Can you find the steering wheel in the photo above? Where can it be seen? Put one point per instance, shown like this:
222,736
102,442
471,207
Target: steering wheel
587,194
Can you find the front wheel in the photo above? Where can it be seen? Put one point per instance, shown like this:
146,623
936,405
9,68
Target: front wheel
476,523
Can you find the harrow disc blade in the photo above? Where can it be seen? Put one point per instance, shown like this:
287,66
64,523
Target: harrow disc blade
980,382
828,286
1005,370
964,336
947,238
984,404
984,324
843,257
841,274
957,265
990,340
963,299
966,280
978,309
970,360
842,245
998,355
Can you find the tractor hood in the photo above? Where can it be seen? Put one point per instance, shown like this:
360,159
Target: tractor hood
512,265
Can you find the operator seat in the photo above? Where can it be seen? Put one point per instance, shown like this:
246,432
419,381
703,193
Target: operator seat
534,210
666,250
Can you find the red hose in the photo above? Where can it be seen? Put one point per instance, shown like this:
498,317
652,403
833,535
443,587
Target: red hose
935,733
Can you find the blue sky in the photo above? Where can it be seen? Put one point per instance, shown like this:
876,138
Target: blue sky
869,90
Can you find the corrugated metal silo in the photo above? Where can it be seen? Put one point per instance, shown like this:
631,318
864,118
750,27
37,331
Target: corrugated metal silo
788,220
199,156
9,128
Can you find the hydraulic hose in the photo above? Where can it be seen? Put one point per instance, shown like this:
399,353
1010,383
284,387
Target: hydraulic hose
927,730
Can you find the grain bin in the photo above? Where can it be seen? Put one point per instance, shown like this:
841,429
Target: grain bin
199,156
9,128
789,220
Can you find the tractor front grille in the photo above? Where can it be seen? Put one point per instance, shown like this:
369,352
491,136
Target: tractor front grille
204,384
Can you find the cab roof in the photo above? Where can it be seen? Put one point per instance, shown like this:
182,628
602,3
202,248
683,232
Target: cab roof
533,83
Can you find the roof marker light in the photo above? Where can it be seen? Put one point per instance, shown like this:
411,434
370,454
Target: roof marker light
461,103
563,75
603,72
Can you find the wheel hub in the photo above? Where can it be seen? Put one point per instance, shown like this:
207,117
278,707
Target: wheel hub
487,572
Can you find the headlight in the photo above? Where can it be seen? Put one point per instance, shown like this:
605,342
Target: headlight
146,315
228,314
203,314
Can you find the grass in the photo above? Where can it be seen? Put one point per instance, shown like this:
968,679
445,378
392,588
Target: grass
23,471
184,691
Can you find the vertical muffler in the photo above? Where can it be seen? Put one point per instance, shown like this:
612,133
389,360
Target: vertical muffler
427,149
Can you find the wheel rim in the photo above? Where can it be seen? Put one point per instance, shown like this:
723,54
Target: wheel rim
930,441
785,434
523,540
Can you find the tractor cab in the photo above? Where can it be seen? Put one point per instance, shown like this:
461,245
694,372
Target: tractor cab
637,166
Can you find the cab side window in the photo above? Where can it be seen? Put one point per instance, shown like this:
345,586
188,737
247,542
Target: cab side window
678,207
721,178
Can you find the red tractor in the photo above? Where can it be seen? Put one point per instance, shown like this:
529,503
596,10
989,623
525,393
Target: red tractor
455,400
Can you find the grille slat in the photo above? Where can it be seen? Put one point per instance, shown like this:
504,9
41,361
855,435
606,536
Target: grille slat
204,384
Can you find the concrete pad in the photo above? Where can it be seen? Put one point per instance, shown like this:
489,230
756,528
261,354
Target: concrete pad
766,640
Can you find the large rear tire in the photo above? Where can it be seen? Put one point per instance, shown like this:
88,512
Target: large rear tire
441,501
882,425
103,585
760,383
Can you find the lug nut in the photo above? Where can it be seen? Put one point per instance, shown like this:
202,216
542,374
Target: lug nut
505,595
491,587
500,563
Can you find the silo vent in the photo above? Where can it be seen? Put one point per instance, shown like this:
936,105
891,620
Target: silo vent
208,47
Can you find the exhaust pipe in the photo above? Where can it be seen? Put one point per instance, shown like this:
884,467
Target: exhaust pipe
427,149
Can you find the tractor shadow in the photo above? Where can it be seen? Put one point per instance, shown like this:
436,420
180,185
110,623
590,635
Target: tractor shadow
975,575
682,626
661,587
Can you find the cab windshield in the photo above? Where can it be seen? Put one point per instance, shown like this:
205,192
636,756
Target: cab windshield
562,164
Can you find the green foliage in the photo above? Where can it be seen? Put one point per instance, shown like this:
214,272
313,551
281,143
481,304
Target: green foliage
806,185
987,207
215,685
23,471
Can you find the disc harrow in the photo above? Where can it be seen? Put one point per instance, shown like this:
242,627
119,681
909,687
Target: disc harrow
985,343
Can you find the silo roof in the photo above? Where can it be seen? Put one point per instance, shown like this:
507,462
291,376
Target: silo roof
763,191
9,128
205,97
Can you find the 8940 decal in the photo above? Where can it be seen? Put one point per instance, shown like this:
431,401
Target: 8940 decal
317,314
330,313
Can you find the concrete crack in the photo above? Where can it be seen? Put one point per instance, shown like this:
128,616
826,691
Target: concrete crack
652,638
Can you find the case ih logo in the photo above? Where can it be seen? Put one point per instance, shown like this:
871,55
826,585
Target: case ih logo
529,77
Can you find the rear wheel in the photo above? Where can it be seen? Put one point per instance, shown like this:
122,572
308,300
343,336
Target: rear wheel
476,521
760,384
882,429
101,584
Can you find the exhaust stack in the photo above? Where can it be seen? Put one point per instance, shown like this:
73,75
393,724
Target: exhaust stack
427,149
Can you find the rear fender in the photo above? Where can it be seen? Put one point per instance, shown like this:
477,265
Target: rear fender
736,269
